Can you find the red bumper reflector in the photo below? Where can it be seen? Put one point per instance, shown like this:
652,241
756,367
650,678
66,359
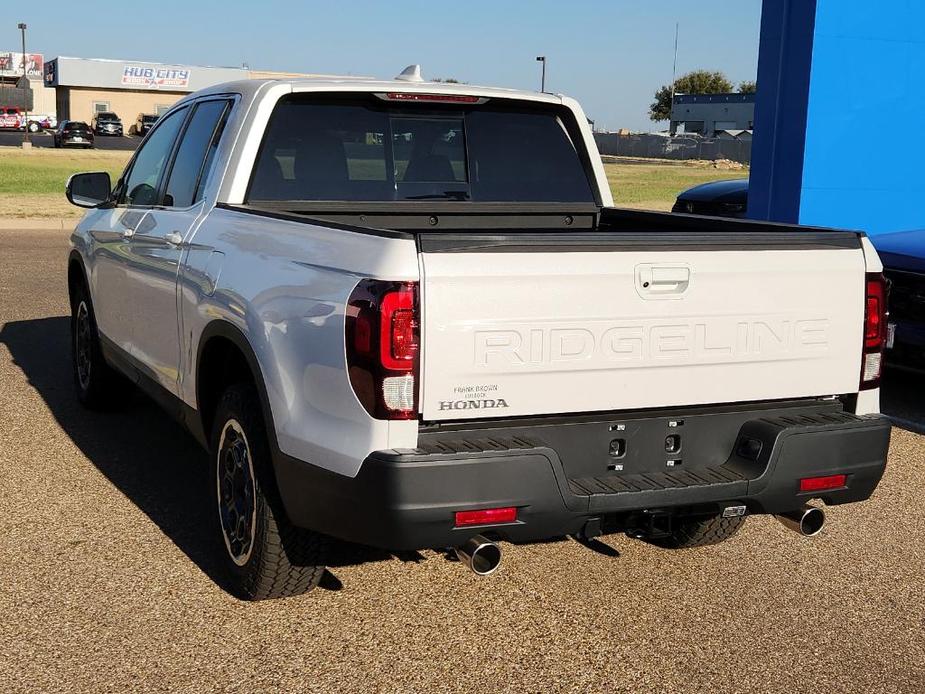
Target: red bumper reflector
488,516
815,484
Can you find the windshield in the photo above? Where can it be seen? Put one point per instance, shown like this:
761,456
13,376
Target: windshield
365,149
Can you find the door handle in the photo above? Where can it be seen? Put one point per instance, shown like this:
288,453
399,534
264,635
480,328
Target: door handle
662,280
669,277
174,238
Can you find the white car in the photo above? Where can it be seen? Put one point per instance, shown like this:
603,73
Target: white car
407,314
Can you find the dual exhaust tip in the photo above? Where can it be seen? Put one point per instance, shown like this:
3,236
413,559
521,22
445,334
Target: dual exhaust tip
808,521
483,557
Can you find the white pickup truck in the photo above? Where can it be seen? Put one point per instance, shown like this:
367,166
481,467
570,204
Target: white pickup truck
407,314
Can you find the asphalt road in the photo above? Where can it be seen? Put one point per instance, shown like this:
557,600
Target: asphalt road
108,582
12,138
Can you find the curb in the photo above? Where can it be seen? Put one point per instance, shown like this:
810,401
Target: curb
30,223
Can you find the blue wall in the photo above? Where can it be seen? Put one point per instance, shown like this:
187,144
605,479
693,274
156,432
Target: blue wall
784,59
841,85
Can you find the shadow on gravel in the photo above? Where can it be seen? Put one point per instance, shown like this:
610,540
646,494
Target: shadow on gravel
143,452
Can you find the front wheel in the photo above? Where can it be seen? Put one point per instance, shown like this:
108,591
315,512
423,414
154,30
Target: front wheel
699,532
98,385
265,556
34,127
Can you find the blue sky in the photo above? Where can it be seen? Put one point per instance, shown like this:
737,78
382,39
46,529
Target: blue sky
610,55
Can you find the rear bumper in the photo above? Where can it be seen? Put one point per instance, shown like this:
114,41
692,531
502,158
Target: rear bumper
407,499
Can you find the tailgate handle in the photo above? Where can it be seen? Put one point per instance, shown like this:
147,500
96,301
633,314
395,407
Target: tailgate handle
658,281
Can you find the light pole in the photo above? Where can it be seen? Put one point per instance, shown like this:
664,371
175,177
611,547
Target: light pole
542,59
25,83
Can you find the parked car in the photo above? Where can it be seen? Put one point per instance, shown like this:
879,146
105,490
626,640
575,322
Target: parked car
41,121
452,338
903,255
11,118
717,199
72,133
106,123
144,122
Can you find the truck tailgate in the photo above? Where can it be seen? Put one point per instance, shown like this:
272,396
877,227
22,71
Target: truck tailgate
513,331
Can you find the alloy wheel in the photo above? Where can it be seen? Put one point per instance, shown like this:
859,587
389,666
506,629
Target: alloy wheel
83,345
235,486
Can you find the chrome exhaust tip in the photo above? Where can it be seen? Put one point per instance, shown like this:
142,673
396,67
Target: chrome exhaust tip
808,521
481,555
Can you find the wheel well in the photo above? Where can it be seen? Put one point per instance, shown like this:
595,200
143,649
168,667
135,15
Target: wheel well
221,364
75,277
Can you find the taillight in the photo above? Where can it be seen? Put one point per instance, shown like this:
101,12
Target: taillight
382,344
875,322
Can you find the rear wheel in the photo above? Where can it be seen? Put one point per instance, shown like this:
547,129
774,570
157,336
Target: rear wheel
265,556
699,532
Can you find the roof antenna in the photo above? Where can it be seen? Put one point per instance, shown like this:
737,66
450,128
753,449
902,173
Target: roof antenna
412,73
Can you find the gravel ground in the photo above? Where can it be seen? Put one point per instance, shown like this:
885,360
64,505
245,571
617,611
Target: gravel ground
107,581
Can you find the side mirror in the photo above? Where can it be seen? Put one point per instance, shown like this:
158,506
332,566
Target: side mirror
89,189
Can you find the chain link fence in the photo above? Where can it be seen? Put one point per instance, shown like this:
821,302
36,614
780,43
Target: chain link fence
680,147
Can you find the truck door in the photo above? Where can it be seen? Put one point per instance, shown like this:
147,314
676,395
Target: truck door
157,248
114,231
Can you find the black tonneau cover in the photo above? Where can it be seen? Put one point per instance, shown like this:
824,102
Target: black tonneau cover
447,226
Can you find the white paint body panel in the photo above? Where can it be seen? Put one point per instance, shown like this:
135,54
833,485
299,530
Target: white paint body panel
285,286
552,333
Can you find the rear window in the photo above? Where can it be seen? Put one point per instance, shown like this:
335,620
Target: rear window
107,116
366,149
75,126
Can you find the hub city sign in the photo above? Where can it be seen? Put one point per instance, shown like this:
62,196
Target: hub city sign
11,64
155,77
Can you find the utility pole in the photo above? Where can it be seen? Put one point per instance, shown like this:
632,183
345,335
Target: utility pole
25,86
674,71
542,59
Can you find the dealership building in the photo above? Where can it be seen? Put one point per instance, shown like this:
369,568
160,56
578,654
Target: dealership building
85,86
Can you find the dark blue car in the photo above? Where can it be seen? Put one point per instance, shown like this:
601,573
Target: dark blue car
903,256
902,253
717,199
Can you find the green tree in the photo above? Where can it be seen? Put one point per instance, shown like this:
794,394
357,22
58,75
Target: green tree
696,82
748,87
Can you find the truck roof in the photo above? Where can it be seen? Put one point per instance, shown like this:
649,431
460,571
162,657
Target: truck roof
363,84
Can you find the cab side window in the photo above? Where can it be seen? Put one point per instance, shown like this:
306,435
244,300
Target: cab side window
190,169
140,186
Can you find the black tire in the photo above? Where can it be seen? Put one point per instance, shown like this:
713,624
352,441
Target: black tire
699,532
98,385
265,555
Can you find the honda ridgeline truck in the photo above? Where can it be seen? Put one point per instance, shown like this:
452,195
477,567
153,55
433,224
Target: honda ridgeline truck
408,315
